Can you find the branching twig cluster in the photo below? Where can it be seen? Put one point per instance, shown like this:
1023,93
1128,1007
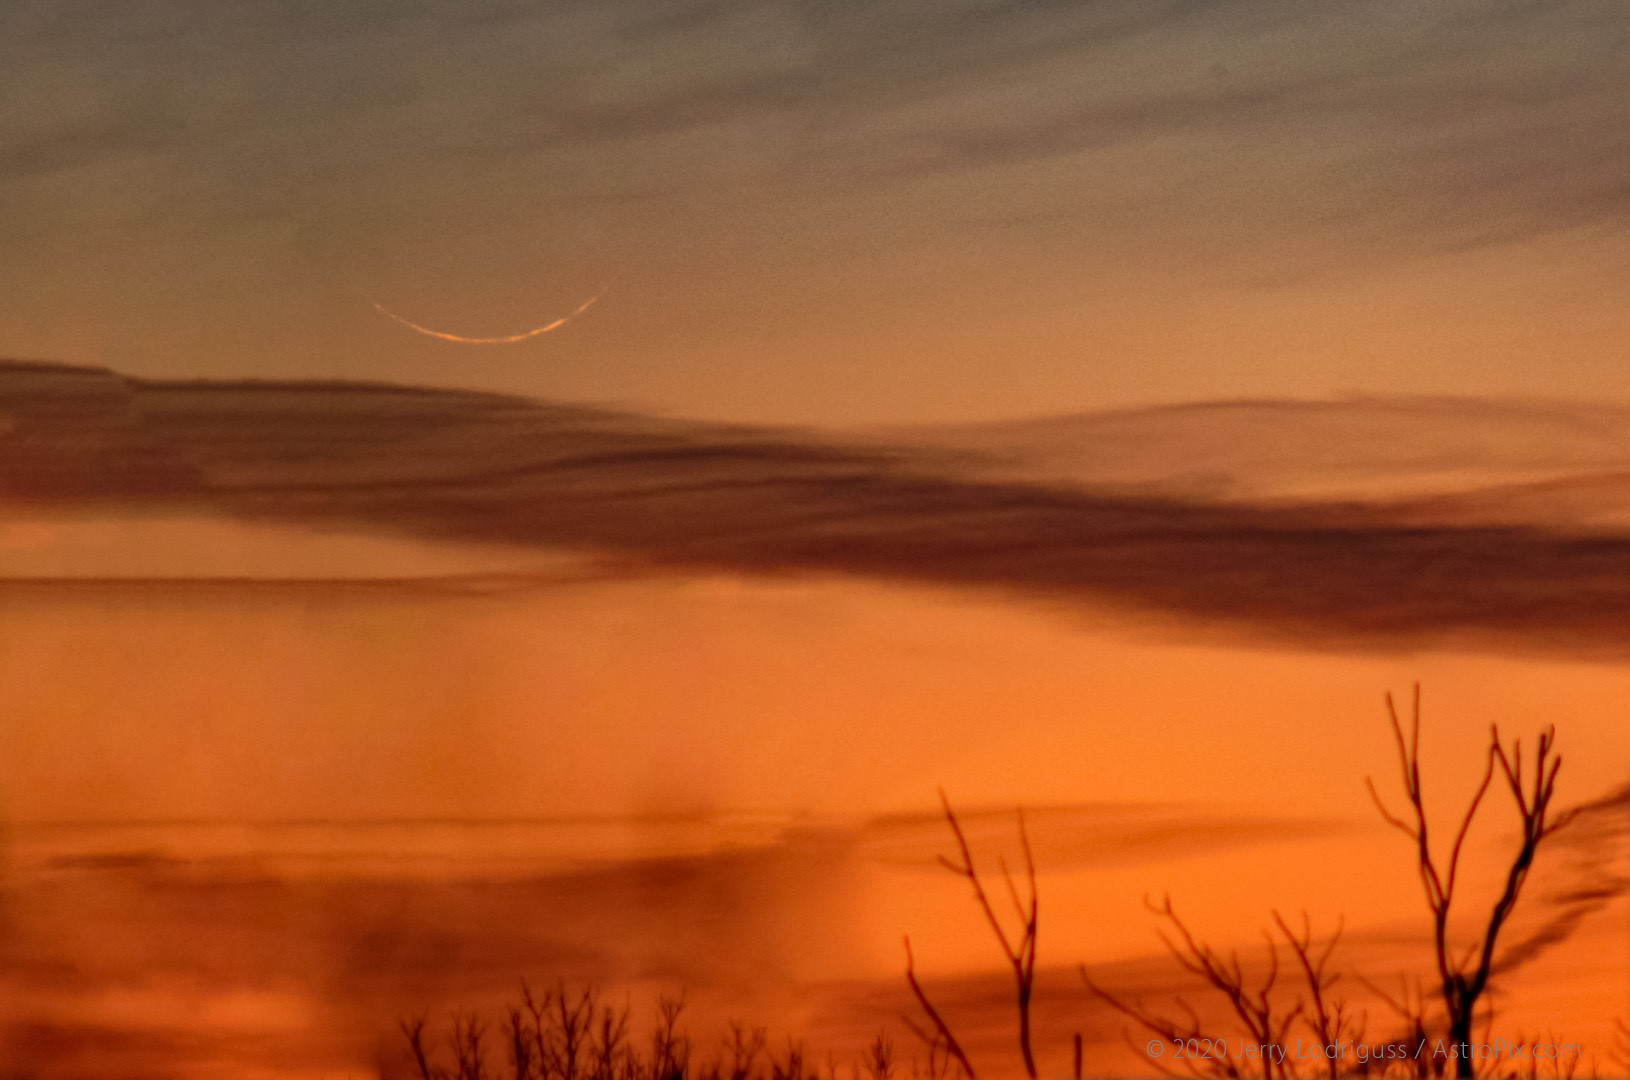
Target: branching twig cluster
1019,951
1264,1020
1464,973
562,1035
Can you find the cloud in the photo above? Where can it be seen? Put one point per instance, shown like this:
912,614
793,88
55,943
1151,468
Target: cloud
695,103
317,963
646,496
1593,874
84,144
1408,124
1403,132
303,970
1067,838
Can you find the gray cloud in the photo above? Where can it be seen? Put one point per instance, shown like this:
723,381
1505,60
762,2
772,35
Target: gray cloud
83,144
1360,118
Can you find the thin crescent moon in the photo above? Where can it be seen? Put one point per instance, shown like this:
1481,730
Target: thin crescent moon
509,340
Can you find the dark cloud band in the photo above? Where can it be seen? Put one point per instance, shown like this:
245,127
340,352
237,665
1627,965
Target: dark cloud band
645,494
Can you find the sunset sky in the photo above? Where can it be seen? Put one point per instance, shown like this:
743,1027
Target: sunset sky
826,211
495,488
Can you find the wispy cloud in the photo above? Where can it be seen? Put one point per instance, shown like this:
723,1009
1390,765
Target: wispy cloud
1499,112
84,143
1069,838
1595,871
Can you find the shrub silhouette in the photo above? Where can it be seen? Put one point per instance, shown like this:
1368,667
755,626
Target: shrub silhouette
566,1035
579,1035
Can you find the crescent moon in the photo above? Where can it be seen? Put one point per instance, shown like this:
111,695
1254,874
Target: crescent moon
507,340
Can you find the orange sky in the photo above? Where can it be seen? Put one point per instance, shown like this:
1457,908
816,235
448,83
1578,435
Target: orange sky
713,695
799,715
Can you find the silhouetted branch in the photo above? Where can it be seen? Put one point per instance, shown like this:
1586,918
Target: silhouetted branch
1020,956
944,1034
1327,1018
413,1029
1464,976
1255,1009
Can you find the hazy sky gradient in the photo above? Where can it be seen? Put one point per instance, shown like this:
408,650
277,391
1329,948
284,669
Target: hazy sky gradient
820,211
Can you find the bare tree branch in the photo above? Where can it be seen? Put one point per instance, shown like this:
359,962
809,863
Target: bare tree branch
1021,957
940,1026
1464,975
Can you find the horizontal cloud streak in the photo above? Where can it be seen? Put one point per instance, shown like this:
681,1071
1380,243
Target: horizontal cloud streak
648,495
